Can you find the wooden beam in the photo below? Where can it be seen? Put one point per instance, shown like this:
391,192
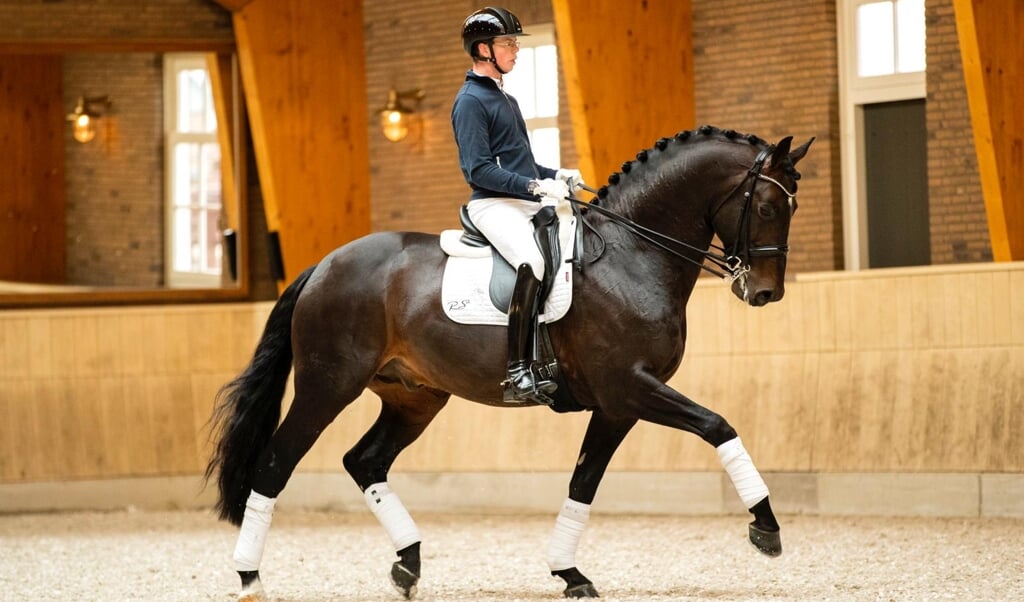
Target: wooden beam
993,63
304,76
629,76
234,5
221,69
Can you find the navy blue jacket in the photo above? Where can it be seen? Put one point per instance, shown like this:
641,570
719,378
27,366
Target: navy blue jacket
494,146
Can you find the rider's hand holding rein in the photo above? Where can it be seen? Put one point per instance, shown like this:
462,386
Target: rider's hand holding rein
572,177
551,191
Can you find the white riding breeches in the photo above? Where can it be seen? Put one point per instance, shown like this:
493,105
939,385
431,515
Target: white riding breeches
506,223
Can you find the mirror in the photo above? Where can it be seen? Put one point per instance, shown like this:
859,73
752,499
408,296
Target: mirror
150,207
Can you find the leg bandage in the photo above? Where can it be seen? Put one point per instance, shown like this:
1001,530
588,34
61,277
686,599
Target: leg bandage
568,529
259,509
737,463
392,515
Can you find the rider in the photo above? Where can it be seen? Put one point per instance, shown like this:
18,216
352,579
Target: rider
506,181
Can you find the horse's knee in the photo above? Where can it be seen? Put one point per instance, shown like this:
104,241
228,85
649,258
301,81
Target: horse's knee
719,431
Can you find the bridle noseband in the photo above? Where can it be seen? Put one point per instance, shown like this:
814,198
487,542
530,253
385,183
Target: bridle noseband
733,262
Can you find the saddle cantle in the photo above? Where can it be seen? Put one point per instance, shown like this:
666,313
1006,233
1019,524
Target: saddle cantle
477,291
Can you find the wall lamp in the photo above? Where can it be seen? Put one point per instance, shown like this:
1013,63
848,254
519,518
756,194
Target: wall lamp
83,119
394,117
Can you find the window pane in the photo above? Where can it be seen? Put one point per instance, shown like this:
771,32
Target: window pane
545,146
547,81
182,240
910,35
212,251
195,102
520,83
875,43
186,174
211,196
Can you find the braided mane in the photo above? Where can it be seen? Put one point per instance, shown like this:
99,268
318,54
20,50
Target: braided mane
679,141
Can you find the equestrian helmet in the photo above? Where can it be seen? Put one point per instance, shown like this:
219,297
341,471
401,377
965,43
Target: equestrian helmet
487,24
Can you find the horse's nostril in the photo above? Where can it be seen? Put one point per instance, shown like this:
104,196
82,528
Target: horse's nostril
763,297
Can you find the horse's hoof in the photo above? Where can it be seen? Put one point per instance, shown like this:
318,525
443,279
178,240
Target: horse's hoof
404,580
252,588
767,542
583,590
577,585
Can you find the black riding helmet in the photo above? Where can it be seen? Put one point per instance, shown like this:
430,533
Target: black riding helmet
486,24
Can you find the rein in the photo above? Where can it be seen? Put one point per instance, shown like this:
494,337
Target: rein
730,264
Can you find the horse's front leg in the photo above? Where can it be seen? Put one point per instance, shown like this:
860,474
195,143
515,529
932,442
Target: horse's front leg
656,402
603,437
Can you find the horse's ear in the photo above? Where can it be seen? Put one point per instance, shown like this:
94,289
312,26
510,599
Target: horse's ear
781,151
800,151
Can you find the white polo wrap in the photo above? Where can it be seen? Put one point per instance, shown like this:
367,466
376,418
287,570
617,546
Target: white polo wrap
392,515
259,509
737,463
568,529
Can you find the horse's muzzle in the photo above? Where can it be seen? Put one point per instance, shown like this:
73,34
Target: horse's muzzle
755,293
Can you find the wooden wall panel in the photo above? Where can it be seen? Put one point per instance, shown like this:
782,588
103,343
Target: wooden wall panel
32,195
304,76
993,60
109,393
629,76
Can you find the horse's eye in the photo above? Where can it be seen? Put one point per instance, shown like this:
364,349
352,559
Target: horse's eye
766,210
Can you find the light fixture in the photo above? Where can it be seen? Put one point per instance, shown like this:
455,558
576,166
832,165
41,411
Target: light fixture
394,117
83,118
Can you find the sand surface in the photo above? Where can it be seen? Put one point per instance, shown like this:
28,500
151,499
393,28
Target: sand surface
314,556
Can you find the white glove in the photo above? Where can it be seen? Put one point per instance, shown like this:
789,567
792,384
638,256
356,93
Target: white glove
572,177
554,189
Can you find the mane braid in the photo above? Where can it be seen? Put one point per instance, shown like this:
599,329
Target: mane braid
663,145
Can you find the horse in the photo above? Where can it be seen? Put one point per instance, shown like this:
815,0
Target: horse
368,315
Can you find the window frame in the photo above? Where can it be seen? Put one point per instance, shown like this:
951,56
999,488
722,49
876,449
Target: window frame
174,63
855,91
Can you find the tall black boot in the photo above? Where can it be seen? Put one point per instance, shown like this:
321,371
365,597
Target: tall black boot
523,382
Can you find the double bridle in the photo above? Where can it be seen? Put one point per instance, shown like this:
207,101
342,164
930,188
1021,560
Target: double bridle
733,262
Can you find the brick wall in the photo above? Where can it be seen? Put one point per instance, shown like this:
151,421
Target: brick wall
114,20
770,68
115,183
416,184
958,224
750,78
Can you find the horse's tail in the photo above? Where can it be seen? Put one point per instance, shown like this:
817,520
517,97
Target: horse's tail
248,408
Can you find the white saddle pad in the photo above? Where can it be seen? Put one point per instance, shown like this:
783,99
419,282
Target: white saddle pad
465,294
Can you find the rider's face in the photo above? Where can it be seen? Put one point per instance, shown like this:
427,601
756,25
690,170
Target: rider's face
506,49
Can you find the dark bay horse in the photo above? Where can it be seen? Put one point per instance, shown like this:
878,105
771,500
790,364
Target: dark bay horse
369,316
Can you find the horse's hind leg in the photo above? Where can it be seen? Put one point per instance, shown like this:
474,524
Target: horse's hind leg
403,417
319,398
604,434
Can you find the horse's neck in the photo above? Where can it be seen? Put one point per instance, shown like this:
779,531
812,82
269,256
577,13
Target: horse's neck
650,265
671,196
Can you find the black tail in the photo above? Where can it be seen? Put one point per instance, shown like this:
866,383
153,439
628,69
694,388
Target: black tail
248,408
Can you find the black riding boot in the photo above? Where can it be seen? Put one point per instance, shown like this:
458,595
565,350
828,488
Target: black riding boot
523,382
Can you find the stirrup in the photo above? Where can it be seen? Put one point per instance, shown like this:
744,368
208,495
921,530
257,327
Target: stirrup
530,382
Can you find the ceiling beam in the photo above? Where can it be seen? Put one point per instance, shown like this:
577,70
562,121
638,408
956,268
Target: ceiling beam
304,75
993,64
234,5
629,76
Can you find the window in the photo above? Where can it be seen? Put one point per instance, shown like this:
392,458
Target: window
882,64
192,174
890,38
534,84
